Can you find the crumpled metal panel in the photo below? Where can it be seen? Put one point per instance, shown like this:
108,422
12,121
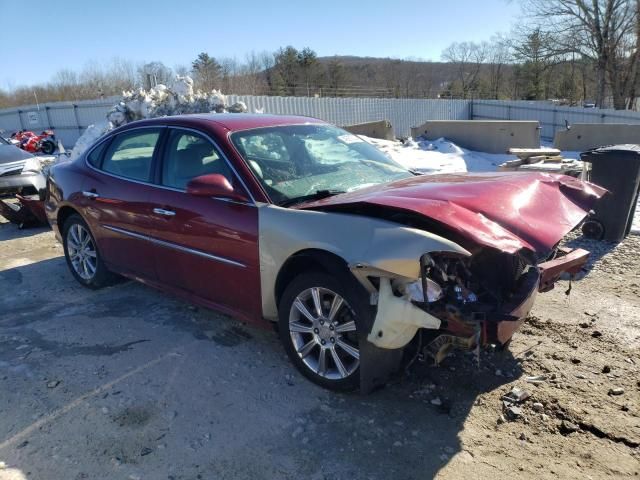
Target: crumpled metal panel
503,210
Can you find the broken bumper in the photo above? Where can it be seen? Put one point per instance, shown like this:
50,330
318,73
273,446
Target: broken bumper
15,183
537,280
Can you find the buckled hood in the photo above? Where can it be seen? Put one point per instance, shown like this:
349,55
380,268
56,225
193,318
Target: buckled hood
504,210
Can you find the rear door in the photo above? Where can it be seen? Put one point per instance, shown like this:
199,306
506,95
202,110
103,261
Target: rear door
117,191
207,247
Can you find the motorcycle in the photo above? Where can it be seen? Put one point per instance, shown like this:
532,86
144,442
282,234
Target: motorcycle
33,143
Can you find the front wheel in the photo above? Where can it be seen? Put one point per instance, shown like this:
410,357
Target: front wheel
82,254
318,318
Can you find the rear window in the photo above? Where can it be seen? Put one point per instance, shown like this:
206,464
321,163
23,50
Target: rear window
130,154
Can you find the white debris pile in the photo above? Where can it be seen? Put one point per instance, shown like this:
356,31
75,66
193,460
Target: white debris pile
438,156
161,100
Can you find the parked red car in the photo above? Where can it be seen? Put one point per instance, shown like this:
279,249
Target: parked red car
292,220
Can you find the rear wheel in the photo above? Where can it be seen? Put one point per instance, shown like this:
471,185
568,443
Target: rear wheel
318,318
82,254
47,147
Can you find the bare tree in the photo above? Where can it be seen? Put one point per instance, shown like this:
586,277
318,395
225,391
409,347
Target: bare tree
467,58
499,55
596,29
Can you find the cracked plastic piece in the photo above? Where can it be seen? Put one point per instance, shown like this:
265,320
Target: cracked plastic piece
397,320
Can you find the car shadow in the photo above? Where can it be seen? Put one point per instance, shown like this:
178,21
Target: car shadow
408,429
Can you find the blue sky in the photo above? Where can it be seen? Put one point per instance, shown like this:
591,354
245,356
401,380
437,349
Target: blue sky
174,32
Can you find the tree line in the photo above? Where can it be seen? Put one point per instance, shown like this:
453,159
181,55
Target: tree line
575,52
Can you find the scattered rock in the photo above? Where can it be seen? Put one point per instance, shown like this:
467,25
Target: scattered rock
498,373
522,437
606,369
575,361
567,427
616,391
537,407
3,465
23,444
397,443
536,379
585,324
596,334
513,412
145,451
436,401
516,395
53,383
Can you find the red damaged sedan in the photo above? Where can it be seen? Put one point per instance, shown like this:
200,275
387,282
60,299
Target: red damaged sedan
295,221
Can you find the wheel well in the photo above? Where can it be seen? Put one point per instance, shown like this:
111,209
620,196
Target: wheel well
63,214
306,261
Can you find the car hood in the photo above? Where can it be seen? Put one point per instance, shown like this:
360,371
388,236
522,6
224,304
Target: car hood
504,210
11,153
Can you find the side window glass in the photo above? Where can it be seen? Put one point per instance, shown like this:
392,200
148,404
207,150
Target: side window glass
96,154
189,155
130,154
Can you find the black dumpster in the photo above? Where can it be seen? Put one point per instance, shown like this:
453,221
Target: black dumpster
616,168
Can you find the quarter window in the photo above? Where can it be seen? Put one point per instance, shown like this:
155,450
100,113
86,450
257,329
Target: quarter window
189,155
96,154
130,154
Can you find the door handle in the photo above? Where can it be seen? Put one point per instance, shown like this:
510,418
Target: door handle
162,211
90,194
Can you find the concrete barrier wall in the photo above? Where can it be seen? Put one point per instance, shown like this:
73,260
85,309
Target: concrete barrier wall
380,129
583,136
493,136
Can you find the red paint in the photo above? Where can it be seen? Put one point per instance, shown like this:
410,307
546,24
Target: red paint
207,226
507,211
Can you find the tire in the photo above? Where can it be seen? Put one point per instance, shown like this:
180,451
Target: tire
84,262
336,333
48,147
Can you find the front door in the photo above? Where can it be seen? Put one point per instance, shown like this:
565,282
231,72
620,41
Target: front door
205,246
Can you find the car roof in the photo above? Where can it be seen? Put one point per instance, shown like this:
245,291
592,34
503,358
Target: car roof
232,121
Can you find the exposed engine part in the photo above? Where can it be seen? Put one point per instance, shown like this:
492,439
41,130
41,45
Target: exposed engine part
415,291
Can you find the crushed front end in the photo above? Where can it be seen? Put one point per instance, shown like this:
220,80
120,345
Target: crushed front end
463,301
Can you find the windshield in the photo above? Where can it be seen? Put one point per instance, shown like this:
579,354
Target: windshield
296,162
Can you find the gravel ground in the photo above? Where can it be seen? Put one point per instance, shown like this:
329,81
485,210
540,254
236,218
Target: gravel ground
129,383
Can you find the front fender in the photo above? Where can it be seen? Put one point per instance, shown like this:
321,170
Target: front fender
367,242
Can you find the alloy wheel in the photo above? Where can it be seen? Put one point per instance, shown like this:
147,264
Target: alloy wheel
323,331
82,251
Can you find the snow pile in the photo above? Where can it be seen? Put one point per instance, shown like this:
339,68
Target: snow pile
176,99
438,156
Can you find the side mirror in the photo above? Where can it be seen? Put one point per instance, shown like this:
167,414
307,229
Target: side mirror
214,185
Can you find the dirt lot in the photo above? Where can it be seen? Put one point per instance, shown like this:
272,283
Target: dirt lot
128,383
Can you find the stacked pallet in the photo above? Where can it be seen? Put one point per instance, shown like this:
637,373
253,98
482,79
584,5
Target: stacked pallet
542,160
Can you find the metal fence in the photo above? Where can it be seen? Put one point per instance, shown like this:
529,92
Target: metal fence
551,117
70,119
